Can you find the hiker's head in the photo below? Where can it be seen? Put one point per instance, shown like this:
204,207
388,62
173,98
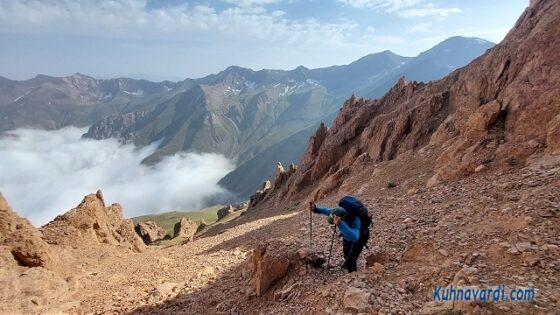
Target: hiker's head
339,212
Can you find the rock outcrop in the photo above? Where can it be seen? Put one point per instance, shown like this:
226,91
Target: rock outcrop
91,223
150,232
21,243
260,194
241,205
224,211
280,172
270,263
282,175
499,107
32,272
185,228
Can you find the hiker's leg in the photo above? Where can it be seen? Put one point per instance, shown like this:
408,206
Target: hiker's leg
352,259
346,246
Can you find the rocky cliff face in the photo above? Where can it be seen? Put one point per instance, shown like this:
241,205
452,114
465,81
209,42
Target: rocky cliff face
501,107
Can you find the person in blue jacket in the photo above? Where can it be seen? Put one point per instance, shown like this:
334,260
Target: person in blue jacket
349,227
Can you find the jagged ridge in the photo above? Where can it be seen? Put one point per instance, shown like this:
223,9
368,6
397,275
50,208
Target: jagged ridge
495,109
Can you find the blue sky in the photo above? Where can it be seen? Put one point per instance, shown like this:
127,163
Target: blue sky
176,39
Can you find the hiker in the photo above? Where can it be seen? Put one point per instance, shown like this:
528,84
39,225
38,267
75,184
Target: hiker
353,222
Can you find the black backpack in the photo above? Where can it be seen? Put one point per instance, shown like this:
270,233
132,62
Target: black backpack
355,208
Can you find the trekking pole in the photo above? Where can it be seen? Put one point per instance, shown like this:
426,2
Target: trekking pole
311,227
330,251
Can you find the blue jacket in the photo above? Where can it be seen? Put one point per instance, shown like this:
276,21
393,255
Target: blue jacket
350,230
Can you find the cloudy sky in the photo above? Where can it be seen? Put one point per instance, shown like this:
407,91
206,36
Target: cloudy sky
176,39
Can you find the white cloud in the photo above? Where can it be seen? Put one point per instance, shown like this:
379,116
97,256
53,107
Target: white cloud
390,5
133,18
420,28
404,8
251,3
46,173
428,10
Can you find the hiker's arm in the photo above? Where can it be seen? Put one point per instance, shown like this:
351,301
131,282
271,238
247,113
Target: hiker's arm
351,234
321,210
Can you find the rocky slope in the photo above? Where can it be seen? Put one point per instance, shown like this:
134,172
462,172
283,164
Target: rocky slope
42,269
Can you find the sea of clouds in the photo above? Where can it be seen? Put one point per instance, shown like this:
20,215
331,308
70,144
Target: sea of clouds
46,173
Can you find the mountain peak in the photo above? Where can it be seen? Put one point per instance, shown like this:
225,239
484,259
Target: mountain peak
456,51
465,40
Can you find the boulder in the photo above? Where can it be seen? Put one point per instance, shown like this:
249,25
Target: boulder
356,300
270,263
23,242
150,232
185,228
377,268
201,226
311,257
480,168
377,256
484,117
223,212
434,180
91,223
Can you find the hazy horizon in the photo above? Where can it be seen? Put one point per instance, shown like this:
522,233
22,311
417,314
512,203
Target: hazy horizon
138,76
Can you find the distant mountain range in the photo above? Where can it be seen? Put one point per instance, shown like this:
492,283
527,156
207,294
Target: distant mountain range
255,117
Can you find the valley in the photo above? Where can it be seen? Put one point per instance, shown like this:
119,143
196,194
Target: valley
245,115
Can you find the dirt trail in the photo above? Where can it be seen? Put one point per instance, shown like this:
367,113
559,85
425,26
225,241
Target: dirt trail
121,281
